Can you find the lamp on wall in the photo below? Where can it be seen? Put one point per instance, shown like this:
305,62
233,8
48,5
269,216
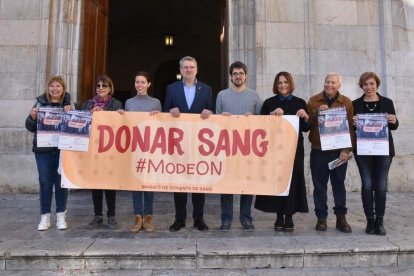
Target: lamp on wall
169,40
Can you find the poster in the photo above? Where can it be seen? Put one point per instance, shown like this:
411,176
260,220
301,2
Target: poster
334,129
75,131
49,122
372,134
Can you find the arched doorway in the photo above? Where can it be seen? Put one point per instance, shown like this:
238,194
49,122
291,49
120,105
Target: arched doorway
166,73
136,41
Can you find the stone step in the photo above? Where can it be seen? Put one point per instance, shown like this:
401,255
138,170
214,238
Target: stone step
79,254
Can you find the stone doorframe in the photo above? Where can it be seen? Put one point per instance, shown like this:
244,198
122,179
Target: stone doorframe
63,53
63,43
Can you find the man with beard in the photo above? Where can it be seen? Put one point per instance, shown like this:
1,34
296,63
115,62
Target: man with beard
237,100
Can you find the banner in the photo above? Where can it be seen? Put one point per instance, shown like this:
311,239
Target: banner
223,155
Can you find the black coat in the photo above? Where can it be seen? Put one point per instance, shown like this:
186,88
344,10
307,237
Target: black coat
385,105
296,201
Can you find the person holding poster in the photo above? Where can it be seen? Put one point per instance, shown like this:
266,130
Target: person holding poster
189,96
329,98
374,169
103,100
237,100
142,102
284,103
47,158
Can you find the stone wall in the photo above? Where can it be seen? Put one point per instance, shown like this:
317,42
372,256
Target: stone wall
38,38
311,38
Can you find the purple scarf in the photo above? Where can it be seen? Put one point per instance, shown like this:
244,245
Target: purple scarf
99,102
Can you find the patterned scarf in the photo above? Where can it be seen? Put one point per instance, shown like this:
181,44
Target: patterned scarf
99,102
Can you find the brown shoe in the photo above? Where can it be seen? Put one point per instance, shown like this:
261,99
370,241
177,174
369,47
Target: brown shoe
138,224
341,224
321,225
148,224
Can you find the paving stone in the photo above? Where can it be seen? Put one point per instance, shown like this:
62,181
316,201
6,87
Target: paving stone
141,254
249,252
348,250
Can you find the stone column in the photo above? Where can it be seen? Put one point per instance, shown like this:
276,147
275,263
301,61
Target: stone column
242,36
64,42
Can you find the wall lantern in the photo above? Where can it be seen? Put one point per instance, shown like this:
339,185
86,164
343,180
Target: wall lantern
169,40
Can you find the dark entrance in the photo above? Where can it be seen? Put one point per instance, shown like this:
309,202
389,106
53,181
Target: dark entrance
137,33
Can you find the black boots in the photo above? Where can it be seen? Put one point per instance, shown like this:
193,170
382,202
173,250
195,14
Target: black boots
280,222
370,229
284,223
379,226
375,226
289,226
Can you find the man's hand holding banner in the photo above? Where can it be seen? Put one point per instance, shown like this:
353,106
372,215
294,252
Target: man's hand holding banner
221,155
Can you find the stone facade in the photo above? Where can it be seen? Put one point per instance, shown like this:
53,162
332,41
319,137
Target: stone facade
38,38
305,37
311,38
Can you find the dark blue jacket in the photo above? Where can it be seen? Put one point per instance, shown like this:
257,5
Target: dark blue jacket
175,98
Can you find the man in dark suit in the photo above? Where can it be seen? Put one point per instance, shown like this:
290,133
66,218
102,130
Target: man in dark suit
189,96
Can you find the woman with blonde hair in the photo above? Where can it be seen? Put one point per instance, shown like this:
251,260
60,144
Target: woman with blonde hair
47,158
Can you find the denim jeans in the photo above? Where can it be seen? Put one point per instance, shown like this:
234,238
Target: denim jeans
320,175
138,198
47,166
374,176
226,202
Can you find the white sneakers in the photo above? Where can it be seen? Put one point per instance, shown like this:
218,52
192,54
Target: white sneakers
44,223
61,221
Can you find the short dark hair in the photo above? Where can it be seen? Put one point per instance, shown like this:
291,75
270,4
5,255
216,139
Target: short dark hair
365,76
289,78
239,65
143,74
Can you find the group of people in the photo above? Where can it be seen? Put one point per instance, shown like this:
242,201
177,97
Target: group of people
190,95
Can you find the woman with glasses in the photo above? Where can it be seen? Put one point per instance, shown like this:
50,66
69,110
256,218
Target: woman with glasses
285,103
103,100
47,158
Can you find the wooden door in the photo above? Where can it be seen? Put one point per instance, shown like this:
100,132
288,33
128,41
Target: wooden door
94,46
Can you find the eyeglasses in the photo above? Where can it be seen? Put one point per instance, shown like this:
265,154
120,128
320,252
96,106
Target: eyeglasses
99,85
237,74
